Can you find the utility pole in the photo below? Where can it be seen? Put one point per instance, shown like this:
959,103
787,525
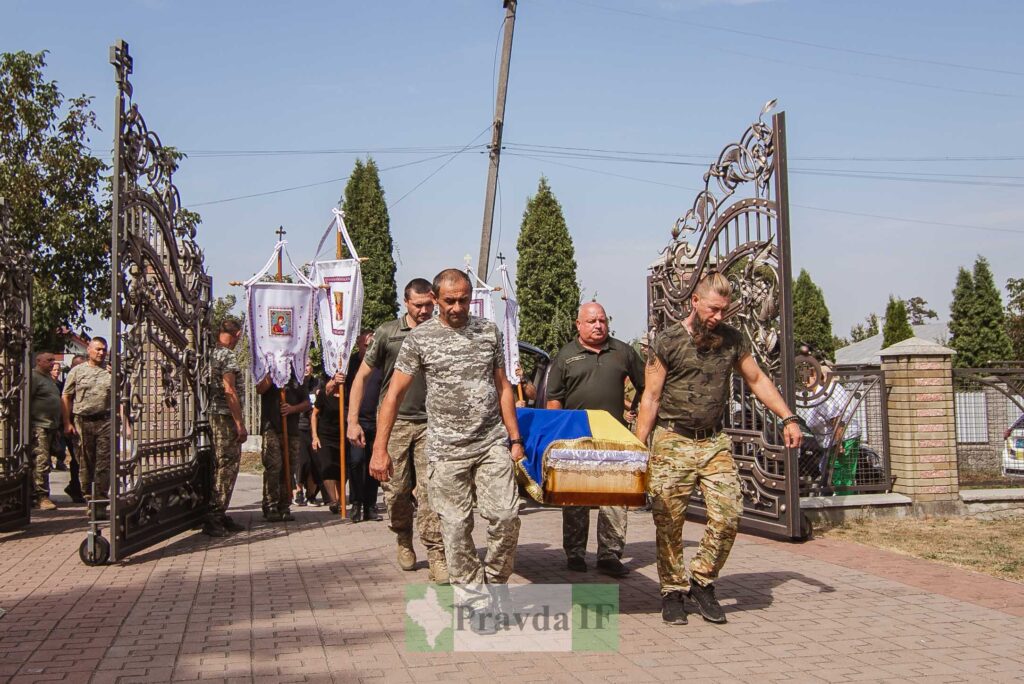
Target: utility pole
495,147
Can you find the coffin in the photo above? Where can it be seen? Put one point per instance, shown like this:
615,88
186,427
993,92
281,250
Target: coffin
581,458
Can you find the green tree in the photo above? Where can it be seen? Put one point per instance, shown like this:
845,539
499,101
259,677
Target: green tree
222,307
988,318
549,294
1015,316
917,309
366,217
977,323
52,183
897,325
812,324
862,331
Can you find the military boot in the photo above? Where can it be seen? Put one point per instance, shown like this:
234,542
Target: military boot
439,571
406,554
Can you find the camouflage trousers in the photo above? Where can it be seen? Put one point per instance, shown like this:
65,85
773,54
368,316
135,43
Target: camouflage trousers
408,451
611,531
42,441
487,481
677,465
277,497
227,455
94,455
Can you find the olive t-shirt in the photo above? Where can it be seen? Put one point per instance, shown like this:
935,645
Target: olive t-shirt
387,341
585,379
696,389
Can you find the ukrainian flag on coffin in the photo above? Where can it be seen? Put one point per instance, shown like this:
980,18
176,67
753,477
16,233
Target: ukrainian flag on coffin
581,458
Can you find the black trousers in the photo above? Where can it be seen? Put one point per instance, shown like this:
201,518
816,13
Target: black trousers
357,466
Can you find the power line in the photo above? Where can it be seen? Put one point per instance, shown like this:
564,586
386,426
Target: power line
308,185
801,206
804,43
438,169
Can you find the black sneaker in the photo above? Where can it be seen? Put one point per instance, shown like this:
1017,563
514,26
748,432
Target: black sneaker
300,499
612,567
370,513
576,564
286,516
706,602
673,611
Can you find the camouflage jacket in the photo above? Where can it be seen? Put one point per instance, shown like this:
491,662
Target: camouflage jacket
223,360
463,415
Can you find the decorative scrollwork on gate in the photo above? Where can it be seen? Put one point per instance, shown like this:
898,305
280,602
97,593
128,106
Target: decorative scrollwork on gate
162,315
15,338
738,226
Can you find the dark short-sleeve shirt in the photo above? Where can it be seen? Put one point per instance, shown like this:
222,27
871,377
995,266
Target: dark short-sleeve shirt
270,406
382,354
584,379
44,404
463,414
222,362
696,390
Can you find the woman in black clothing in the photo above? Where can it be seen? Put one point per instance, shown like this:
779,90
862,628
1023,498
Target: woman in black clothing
360,455
326,433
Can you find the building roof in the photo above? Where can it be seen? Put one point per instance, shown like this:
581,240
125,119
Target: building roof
867,352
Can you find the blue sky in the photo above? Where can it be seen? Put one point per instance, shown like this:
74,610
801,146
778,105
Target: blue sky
655,76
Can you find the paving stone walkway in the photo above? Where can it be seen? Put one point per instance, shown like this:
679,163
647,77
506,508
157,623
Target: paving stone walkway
318,600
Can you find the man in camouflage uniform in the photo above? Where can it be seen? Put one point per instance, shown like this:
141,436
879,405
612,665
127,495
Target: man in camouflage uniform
227,425
45,422
407,446
277,495
687,389
470,418
86,402
589,373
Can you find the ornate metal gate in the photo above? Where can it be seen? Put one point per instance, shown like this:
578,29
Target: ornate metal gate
161,456
739,226
15,365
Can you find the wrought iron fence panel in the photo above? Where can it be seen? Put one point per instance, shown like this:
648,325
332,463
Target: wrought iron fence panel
15,366
161,462
739,226
988,404
846,446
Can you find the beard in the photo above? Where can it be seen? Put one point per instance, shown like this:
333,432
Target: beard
705,339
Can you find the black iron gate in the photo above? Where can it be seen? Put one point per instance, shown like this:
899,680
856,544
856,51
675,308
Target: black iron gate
161,454
739,226
15,365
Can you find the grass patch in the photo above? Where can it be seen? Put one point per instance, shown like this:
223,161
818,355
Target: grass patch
994,547
251,462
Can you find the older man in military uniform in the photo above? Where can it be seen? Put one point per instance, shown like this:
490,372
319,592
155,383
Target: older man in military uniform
687,389
407,446
470,419
86,402
45,423
590,373
227,425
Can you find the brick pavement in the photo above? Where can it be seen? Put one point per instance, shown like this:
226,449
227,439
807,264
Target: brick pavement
321,601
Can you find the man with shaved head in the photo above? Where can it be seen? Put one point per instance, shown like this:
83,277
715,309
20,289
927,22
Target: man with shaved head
472,431
590,373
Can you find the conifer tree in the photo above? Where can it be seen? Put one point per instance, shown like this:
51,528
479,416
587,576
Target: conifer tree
546,285
366,217
1015,316
897,325
812,324
960,319
988,319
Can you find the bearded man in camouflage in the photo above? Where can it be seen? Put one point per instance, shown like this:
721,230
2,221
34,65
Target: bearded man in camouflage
471,417
687,385
227,425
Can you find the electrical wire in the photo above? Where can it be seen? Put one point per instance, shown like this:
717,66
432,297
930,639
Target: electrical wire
439,168
803,43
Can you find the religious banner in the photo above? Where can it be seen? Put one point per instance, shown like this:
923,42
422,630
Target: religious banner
339,301
280,322
510,329
480,303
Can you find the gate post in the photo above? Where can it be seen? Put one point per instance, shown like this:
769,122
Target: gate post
922,429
